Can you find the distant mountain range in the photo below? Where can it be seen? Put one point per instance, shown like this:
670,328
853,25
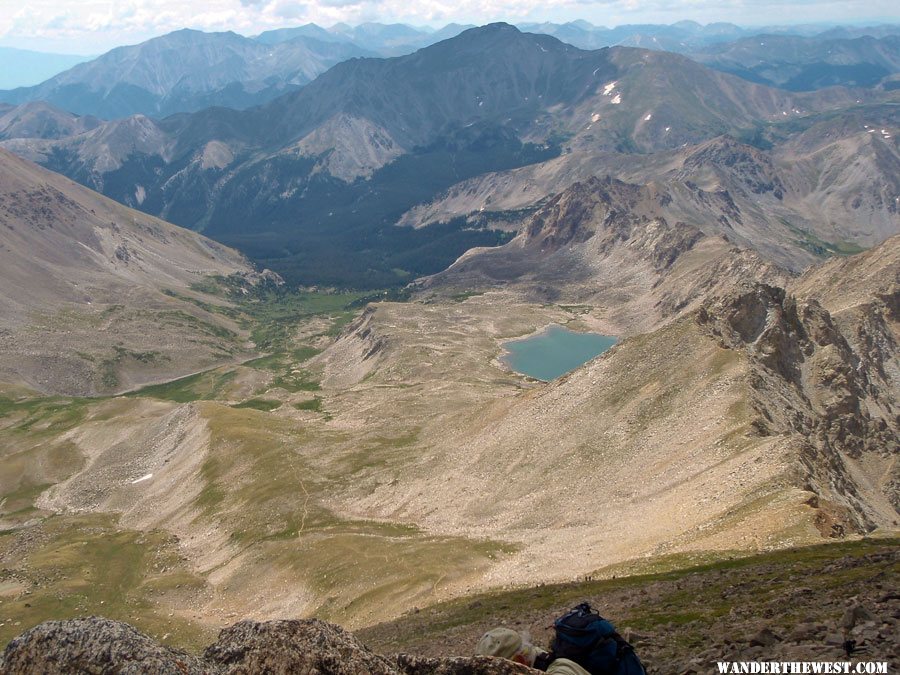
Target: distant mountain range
687,36
385,39
788,58
313,183
42,120
804,64
683,36
187,70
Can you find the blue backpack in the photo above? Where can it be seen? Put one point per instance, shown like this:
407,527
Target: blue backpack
585,637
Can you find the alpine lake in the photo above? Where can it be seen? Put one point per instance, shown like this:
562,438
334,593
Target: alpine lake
553,352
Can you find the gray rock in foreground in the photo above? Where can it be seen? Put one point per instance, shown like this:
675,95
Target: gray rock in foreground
93,645
304,647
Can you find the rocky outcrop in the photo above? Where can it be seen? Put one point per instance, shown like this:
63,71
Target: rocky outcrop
808,381
308,646
748,168
356,353
606,242
93,645
615,212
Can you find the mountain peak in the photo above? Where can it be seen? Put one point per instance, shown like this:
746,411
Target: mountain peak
500,25
493,29
181,35
492,36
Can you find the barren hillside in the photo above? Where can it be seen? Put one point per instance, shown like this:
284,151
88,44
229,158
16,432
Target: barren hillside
83,302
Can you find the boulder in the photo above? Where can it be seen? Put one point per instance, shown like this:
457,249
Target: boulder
93,645
307,646
855,614
765,638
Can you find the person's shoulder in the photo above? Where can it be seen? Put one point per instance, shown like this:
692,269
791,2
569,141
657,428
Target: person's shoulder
565,667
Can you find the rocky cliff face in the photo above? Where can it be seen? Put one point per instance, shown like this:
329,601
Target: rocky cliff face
809,381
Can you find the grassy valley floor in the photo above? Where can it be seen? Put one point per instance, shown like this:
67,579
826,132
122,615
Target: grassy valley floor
318,480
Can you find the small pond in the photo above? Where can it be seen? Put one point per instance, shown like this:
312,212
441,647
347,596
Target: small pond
553,352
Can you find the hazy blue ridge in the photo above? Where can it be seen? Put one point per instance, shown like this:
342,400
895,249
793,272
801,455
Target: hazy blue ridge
24,68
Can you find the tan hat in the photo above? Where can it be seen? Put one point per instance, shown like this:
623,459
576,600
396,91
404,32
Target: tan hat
502,642
507,644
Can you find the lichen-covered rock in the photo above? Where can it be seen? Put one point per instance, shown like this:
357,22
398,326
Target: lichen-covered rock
93,645
298,647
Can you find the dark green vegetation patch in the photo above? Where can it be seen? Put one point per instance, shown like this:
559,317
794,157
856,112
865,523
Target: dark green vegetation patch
819,246
270,312
329,232
206,386
313,405
263,404
43,414
344,234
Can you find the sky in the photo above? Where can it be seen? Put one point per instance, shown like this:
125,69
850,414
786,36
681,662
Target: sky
95,26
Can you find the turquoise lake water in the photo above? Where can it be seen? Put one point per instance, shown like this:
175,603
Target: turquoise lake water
554,352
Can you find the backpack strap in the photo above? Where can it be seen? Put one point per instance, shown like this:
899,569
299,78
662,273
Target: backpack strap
623,649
